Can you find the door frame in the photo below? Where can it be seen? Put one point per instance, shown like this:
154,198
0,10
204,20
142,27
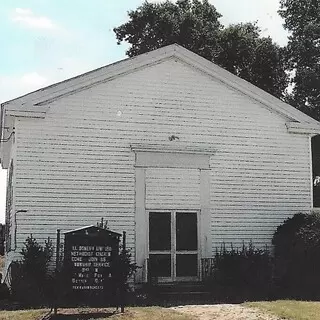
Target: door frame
173,251
159,156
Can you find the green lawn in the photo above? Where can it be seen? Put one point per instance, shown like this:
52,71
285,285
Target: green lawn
150,313
290,309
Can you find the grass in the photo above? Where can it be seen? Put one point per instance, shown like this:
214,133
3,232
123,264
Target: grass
146,313
289,309
152,313
285,309
22,315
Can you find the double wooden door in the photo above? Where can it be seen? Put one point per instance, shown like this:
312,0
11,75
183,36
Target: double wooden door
173,245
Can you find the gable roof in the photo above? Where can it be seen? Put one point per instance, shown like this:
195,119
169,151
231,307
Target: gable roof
34,103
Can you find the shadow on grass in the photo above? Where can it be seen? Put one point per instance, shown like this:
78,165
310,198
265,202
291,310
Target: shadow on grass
82,316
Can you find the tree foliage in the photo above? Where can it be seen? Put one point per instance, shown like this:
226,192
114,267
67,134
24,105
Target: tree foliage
195,25
302,20
253,58
36,258
192,24
31,282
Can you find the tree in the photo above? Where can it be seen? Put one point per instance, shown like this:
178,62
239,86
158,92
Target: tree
302,19
257,60
195,25
192,24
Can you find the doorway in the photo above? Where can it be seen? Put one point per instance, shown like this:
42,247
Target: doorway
173,245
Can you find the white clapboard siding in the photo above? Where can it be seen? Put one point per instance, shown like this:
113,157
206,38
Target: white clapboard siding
76,165
172,188
254,195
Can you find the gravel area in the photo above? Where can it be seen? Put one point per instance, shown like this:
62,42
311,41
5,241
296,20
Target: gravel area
224,312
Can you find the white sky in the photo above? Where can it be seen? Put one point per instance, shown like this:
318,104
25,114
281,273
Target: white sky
45,41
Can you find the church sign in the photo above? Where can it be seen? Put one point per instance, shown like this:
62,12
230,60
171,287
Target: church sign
89,254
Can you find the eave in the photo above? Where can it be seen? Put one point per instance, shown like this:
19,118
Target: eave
303,128
29,112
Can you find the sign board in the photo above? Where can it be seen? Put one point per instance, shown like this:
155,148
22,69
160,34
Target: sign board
91,266
88,256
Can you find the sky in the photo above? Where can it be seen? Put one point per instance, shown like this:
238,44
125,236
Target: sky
46,41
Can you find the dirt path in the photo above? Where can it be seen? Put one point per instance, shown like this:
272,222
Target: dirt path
224,312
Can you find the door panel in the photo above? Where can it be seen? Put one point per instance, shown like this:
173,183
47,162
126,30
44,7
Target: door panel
160,245
160,265
187,265
186,231
186,249
159,231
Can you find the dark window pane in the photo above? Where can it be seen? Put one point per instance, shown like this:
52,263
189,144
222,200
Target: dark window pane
187,265
160,265
159,231
186,228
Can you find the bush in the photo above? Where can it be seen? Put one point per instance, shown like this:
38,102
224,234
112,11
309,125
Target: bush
123,269
31,280
246,272
297,256
36,259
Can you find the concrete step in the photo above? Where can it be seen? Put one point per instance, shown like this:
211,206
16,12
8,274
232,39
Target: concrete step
182,291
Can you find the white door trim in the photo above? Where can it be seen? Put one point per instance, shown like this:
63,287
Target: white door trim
194,159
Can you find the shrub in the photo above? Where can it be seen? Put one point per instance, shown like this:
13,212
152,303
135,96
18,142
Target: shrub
246,271
248,266
123,267
297,255
36,259
30,276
